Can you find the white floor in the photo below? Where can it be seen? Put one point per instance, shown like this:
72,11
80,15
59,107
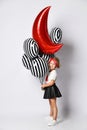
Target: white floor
40,123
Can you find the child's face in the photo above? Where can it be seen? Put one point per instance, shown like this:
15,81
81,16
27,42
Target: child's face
52,65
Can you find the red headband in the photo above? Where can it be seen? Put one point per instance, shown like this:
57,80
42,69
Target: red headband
55,61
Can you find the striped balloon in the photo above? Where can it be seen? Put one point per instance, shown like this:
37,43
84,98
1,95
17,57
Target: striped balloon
56,35
47,56
26,61
39,67
31,48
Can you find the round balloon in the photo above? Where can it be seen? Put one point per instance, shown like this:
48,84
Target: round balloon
31,48
47,56
26,61
39,67
56,35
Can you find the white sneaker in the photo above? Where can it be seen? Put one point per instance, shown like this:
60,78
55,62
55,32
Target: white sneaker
52,123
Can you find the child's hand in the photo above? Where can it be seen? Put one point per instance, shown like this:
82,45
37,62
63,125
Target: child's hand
48,84
43,86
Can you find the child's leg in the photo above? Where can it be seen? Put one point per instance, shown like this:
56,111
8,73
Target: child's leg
54,108
51,110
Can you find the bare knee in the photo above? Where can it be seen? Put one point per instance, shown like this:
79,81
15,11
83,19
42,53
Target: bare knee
53,102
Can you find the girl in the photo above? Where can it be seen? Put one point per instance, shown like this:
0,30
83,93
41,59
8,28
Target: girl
51,91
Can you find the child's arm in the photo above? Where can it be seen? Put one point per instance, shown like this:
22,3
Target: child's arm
48,84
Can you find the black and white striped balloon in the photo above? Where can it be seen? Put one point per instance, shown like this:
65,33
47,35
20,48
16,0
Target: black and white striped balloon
39,67
31,48
47,56
26,61
56,35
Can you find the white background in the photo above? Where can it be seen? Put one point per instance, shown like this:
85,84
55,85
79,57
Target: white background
20,92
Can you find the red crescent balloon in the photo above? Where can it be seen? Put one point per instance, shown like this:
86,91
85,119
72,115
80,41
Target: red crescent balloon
40,33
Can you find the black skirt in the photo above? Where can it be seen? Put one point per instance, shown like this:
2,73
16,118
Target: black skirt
52,92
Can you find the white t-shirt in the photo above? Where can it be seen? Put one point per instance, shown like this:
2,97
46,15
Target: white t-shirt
52,76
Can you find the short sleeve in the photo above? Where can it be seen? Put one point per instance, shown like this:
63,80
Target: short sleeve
53,75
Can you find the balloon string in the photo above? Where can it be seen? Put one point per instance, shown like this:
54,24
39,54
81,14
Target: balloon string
41,80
